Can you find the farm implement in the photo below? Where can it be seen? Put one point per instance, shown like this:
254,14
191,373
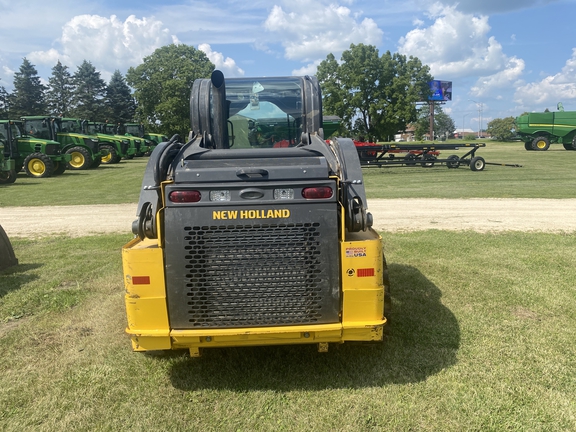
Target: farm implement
425,156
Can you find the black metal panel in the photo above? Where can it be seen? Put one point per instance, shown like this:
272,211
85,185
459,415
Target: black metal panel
214,166
52,149
92,145
248,271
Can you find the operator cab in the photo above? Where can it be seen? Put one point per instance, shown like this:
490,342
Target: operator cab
255,113
266,113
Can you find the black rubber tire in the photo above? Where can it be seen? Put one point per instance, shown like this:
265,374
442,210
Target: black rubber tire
410,159
38,165
59,168
112,156
96,162
8,177
571,146
82,159
477,163
7,257
428,161
453,161
540,143
528,146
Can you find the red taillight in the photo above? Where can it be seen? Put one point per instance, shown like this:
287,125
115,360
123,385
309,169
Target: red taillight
321,192
185,196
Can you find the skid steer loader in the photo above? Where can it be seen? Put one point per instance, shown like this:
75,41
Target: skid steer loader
255,231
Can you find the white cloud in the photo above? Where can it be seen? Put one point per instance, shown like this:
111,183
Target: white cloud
108,43
226,65
455,45
49,57
509,75
322,29
458,46
309,69
550,90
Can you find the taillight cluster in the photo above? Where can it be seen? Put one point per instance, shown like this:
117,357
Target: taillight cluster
193,196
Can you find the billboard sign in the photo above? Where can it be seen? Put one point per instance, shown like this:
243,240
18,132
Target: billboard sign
441,90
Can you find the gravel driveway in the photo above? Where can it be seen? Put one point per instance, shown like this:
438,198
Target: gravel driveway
395,215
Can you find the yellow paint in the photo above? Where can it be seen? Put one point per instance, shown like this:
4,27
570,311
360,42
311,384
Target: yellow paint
555,125
363,297
146,309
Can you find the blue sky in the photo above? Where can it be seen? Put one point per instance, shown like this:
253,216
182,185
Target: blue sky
504,57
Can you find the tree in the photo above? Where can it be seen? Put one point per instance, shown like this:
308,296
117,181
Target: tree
374,95
3,103
502,129
60,91
119,100
28,95
444,125
89,93
162,85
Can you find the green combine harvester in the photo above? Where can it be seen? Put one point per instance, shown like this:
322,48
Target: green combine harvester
539,130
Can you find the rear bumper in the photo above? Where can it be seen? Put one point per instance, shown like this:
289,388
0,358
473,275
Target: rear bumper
194,340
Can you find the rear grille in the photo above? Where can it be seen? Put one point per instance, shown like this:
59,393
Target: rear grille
254,275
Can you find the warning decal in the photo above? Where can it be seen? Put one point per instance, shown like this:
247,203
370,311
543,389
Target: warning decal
355,252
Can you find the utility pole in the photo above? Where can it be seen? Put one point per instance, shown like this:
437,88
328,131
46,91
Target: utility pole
463,117
479,105
431,108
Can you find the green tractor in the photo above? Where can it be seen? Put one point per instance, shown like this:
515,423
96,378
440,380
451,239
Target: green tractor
140,146
7,165
137,129
117,147
38,156
84,150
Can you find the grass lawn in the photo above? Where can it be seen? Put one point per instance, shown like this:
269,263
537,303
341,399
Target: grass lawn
107,184
483,330
542,175
547,174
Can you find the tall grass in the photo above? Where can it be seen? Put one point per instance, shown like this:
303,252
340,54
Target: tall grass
481,339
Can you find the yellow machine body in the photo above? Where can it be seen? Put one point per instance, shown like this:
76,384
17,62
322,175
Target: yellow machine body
361,318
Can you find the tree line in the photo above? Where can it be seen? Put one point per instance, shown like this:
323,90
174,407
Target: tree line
83,94
376,96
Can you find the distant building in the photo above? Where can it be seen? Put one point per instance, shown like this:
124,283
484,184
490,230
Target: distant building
462,132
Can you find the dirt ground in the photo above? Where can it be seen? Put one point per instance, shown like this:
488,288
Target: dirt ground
395,215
